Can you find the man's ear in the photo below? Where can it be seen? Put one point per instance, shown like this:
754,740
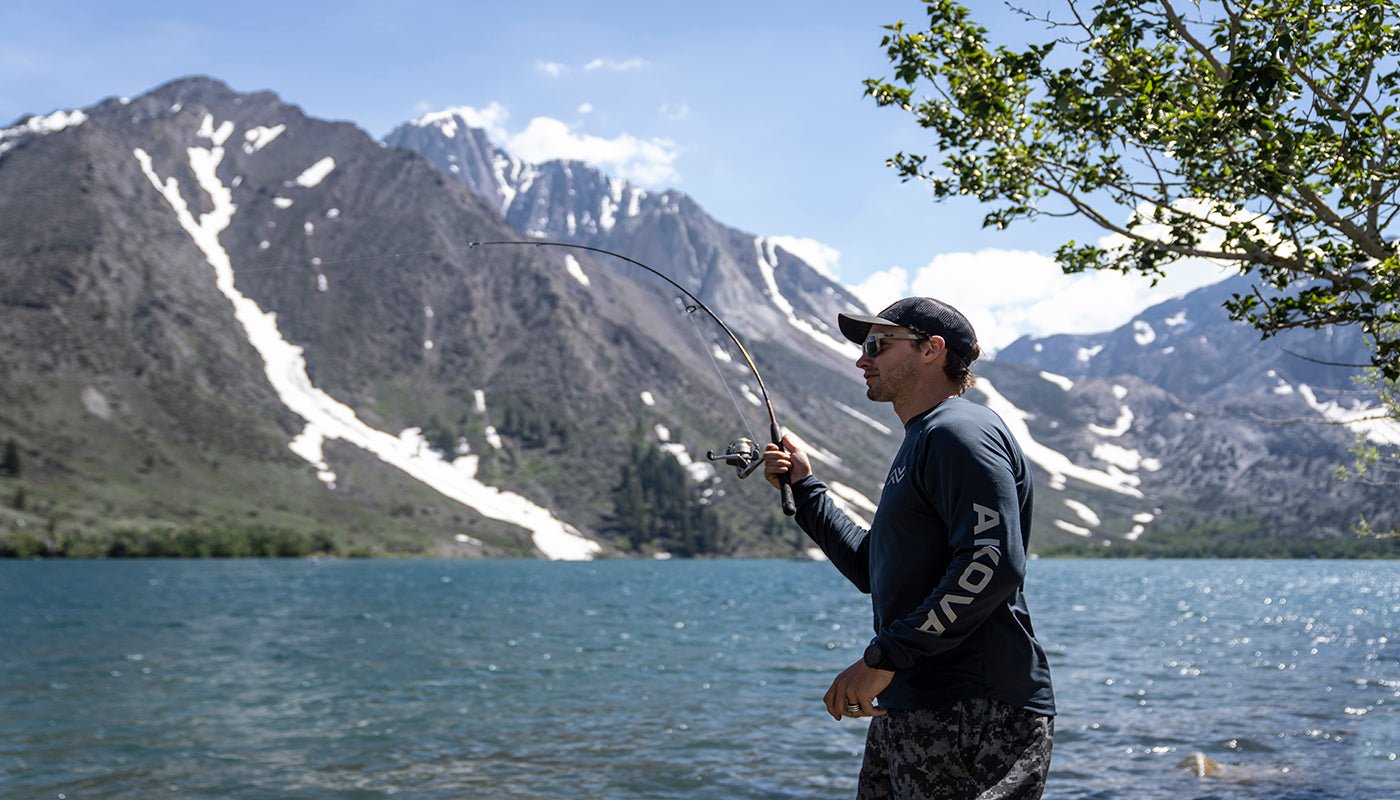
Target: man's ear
933,346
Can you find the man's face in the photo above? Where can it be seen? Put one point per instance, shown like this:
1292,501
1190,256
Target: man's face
894,371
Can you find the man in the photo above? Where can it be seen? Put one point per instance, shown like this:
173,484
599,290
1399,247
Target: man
965,704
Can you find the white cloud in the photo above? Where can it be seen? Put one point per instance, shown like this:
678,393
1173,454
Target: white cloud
819,256
649,163
646,162
551,68
1214,237
491,119
613,65
1010,293
674,113
881,288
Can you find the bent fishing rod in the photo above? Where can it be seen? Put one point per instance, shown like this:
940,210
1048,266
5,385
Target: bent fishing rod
742,454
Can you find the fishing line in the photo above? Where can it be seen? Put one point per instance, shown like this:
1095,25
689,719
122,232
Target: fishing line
742,454
709,350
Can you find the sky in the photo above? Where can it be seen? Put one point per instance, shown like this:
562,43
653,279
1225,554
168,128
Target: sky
754,109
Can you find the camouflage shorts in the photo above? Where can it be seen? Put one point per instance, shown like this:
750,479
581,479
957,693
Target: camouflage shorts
979,749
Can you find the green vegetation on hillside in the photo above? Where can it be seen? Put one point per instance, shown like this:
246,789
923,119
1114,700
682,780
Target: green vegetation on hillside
250,542
1235,538
657,508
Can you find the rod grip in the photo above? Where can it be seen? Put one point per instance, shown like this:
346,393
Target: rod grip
784,482
785,488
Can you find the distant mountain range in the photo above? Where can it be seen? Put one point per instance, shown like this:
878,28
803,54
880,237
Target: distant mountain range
221,317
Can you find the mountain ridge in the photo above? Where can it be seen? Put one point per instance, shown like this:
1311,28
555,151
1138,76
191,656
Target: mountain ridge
222,314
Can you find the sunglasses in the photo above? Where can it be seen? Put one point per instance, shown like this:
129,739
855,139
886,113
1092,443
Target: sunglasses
873,343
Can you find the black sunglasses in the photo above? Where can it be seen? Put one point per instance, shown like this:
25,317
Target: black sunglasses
872,344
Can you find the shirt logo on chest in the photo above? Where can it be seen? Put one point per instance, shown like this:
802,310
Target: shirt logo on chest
896,475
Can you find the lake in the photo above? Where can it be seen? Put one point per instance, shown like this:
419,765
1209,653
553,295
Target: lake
676,679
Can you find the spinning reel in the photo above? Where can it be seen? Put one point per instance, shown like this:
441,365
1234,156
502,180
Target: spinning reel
742,454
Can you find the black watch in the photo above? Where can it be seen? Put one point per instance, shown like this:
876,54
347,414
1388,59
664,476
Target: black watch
875,658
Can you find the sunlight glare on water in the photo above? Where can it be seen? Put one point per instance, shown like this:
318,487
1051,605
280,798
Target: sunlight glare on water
347,679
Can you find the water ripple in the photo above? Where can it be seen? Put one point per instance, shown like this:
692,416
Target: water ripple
658,680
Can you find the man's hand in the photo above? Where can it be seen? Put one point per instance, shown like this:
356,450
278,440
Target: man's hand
786,459
857,686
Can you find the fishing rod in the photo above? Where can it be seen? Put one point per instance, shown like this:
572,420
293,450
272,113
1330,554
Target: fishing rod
742,453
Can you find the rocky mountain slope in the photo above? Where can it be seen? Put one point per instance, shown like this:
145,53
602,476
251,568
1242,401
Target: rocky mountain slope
1153,425
223,318
220,312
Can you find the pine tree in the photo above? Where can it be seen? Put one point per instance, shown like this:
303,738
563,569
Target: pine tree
9,460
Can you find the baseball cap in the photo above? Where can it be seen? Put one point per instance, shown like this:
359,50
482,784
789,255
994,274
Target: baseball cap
923,315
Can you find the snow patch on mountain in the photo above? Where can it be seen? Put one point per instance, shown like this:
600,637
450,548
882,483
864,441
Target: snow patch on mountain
767,261
1128,459
314,174
813,452
512,177
1369,421
877,425
699,471
572,266
1143,333
1059,380
1054,462
490,119
848,500
1085,513
1141,521
310,444
1120,426
327,418
40,125
255,139
1077,530
217,135
609,204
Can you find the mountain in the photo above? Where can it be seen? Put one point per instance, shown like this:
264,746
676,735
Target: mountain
230,328
1130,436
220,313
767,291
1243,429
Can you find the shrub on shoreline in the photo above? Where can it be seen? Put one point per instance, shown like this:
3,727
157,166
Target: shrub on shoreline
216,542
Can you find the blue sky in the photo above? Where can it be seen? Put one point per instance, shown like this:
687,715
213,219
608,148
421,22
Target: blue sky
754,108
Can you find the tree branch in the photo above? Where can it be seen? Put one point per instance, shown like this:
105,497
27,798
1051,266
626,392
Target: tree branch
1320,361
1373,248
1222,74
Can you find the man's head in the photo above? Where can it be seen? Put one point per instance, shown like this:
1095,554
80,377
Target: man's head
928,318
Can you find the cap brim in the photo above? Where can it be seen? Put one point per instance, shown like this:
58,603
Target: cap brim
857,326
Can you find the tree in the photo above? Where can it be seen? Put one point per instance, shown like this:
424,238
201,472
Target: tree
9,459
655,504
1254,132
1376,464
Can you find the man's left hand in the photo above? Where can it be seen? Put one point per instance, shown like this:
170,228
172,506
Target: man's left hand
858,685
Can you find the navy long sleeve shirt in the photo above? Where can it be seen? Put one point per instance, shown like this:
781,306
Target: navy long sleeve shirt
945,562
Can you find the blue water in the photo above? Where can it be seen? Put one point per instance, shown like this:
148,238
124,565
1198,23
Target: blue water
355,679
